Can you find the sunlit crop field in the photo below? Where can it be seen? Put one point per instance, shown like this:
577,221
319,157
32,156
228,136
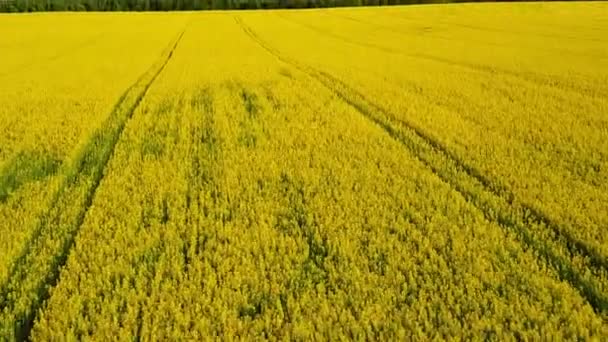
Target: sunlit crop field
373,173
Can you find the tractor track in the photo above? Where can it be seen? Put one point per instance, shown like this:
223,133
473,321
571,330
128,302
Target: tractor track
523,77
36,271
556,246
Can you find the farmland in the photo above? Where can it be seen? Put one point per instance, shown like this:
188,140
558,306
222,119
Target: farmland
418,172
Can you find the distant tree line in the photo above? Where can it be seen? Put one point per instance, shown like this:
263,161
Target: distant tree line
187,5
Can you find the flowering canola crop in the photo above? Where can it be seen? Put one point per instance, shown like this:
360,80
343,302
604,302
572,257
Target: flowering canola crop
387,173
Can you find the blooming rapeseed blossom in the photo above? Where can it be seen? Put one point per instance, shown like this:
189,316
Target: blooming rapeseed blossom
384,173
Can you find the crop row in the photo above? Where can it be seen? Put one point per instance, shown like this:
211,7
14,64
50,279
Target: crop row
246,198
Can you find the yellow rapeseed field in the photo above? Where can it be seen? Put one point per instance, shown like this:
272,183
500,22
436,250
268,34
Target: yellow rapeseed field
390,173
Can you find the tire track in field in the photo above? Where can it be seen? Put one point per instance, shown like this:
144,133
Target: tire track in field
37,269
421,31
493,29
524,77
410,33
463,110
569,257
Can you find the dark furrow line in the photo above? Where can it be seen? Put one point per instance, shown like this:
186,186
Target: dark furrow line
492,202
140,323
439,37
516,213
304,69
538,217
70,172
525,77
499,190
406,33
491,29
26,290
342,38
